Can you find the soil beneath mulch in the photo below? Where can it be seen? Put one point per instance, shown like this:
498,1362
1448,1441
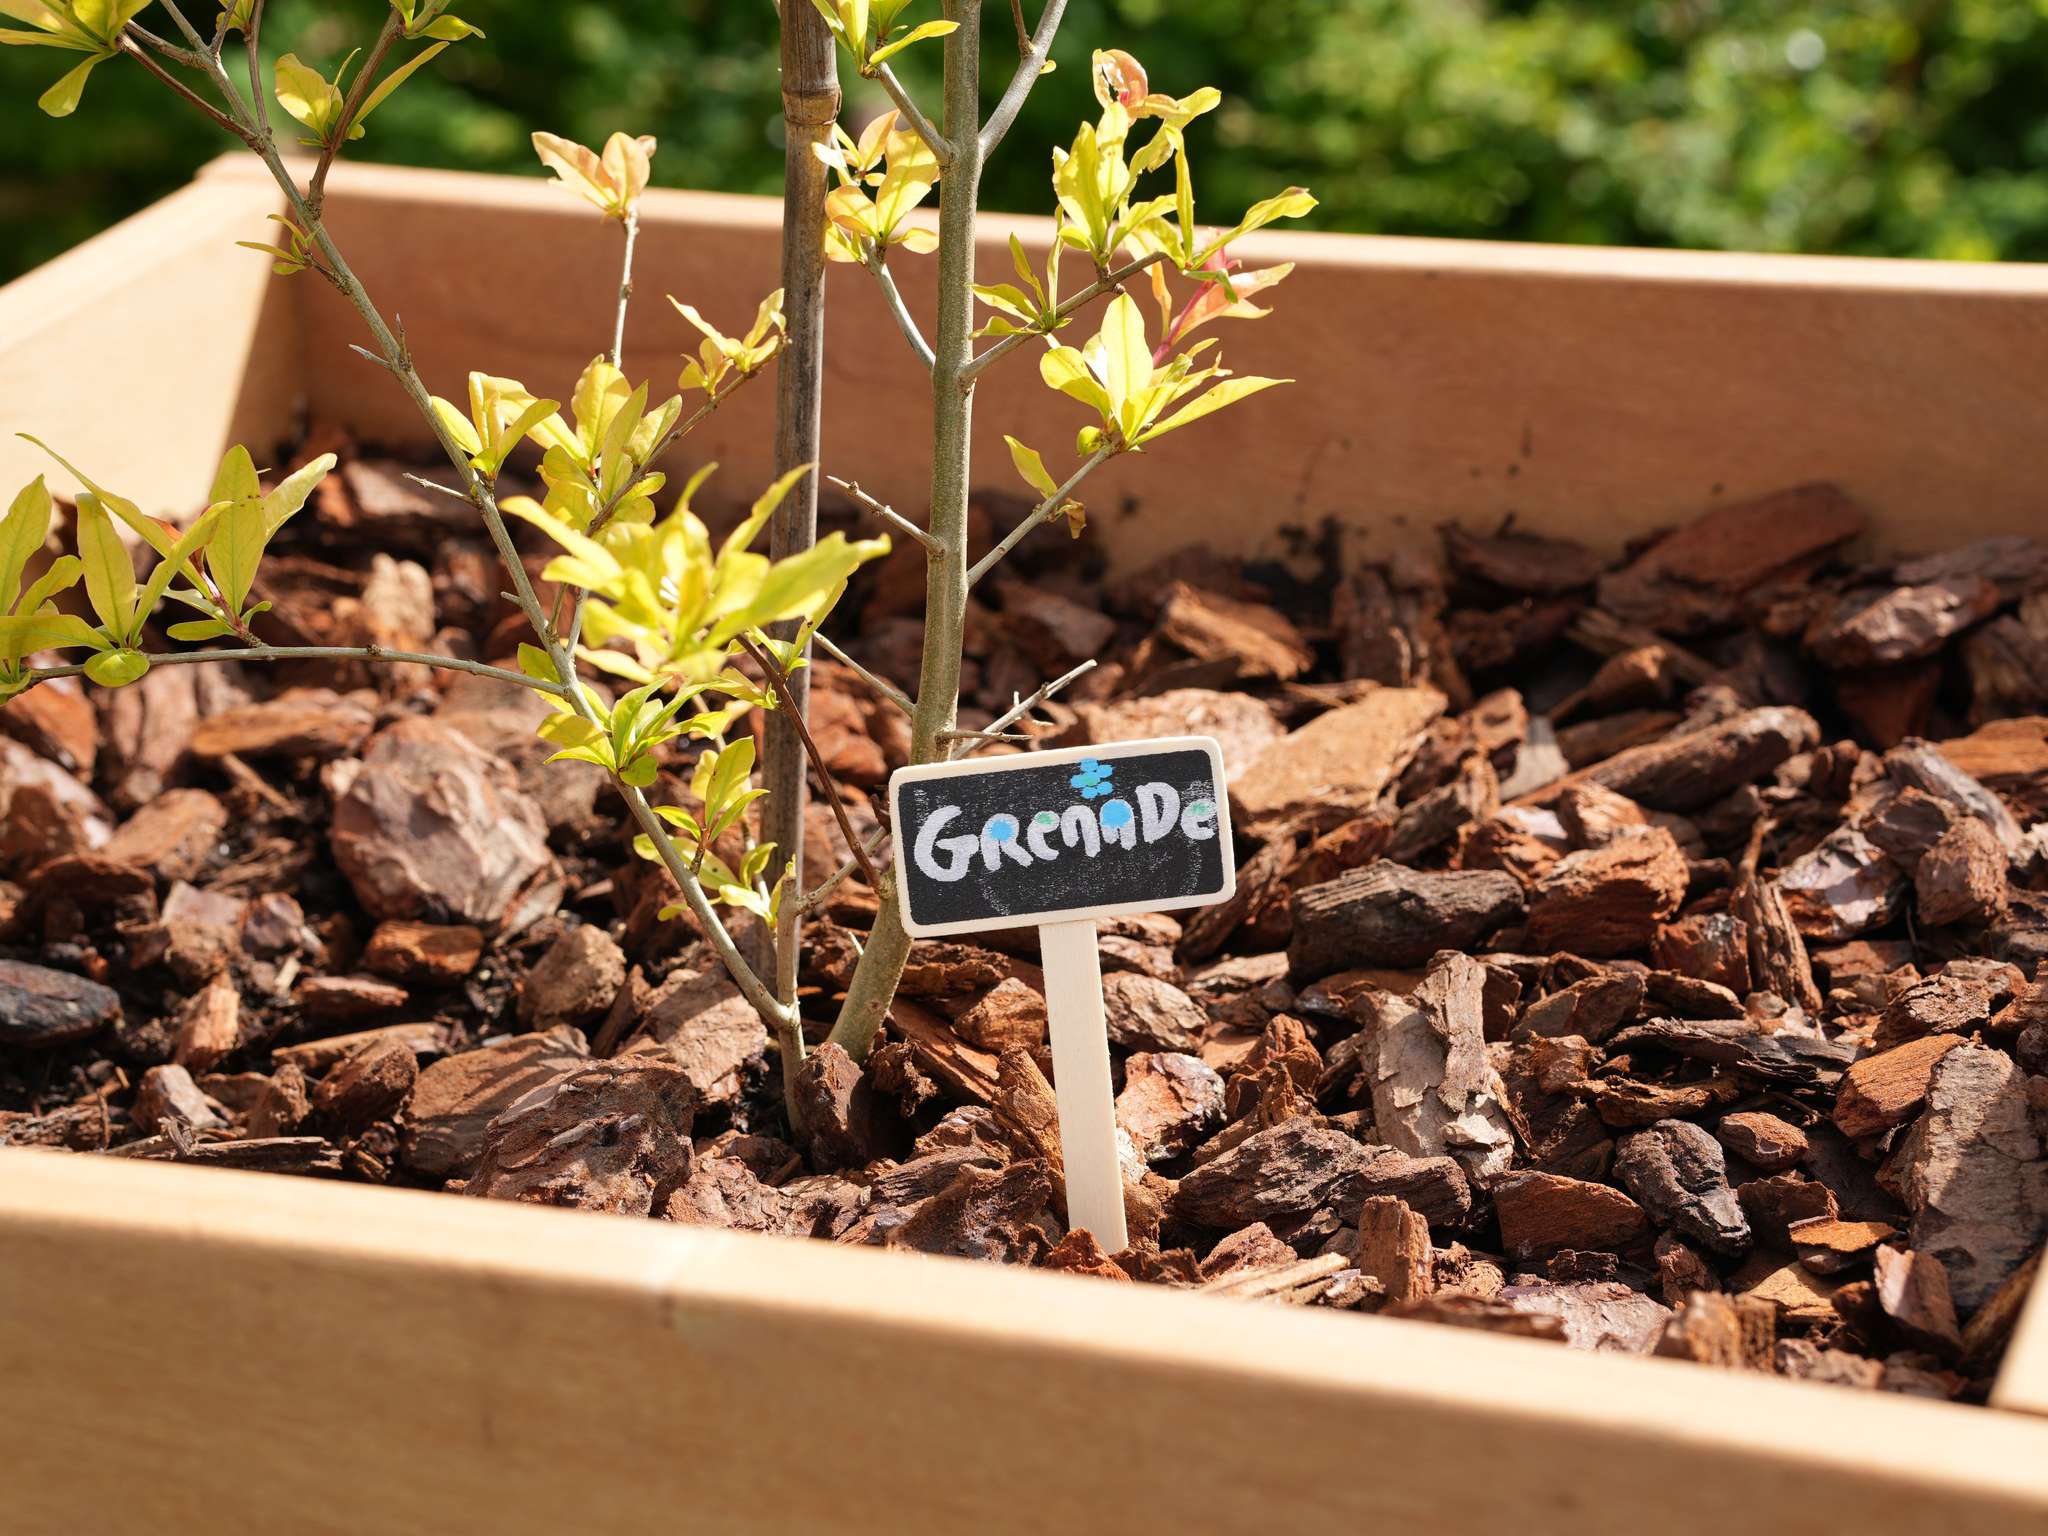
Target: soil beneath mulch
1641,953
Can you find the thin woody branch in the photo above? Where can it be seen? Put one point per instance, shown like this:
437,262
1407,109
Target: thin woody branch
662,444
898,310
1029,68
886,513
625,285
251,46
1044,512
220,119
881,685
795,716
935,141
377,653
749,982
387,34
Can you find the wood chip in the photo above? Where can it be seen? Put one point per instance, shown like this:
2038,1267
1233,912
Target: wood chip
428,954
1913,1290
1392,1249
1827,1245
1762,1140
1887,1089
456,1098
1337,765
1677,1173
1434,1091
1258,641
1541,1213
1169,1102
1731,1332
41,1007
1609,900
300,722
608,1136
1962,878
1390,915
1974,1172
370,1083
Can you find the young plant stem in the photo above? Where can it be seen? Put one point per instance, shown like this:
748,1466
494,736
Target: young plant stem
874,979
1045,511
810,106
366,76
662,444
252,46
934,140
625,286
375,653
1029,67
898,310
256,132
191,97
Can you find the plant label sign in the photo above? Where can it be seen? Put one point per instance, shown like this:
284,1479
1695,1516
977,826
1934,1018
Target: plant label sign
1055,840
1049,837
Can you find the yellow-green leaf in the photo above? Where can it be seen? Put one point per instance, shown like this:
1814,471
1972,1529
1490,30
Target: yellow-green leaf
117,669
390,83
1066,371
1217,396
23,633
1126,358
22,533
916,34
1032,467
109,573
61,99
194,540
306,94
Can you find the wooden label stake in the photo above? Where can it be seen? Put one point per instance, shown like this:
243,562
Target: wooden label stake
1057,840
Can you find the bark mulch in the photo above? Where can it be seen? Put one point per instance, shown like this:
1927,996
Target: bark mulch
1643,954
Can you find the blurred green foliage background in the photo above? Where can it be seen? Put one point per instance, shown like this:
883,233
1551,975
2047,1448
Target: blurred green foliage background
1884,127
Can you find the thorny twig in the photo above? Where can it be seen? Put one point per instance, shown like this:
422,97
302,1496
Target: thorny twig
887,514
827,782
881,685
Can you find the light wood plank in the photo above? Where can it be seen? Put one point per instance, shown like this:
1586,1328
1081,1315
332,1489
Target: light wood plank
2023,1379
145,351
1594,393
187,1349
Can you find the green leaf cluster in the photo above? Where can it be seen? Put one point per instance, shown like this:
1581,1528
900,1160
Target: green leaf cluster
217,557
1113,372
610,181
868,31
319,104
663,607
723,787
883,176
90,27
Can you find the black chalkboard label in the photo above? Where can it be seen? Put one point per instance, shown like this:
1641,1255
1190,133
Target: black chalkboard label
1046,837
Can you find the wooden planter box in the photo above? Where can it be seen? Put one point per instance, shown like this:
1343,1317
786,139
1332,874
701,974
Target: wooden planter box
184,1349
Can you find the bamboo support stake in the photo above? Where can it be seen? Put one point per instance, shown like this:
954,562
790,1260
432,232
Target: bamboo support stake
810,106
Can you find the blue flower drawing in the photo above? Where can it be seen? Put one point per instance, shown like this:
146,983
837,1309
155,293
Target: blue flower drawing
1093,779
